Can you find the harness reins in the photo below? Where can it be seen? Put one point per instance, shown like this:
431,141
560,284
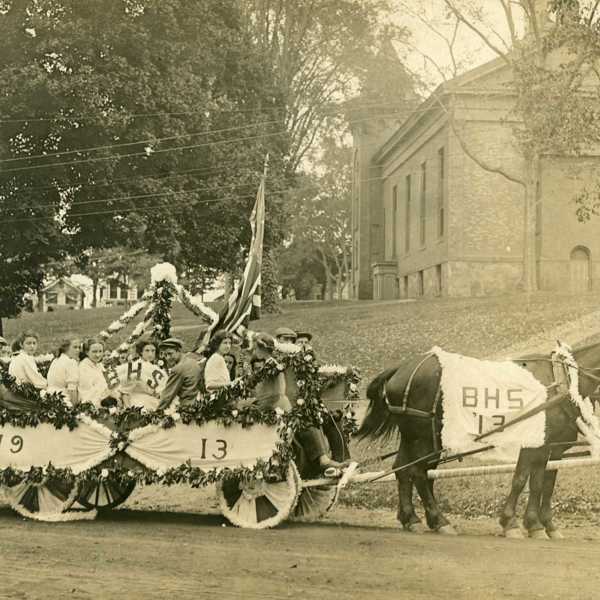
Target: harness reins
404,409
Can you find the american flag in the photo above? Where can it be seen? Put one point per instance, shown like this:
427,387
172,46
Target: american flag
244,302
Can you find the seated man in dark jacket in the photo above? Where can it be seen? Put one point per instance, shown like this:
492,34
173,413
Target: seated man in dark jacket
184,374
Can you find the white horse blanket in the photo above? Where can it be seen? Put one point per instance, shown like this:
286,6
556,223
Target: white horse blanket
479,395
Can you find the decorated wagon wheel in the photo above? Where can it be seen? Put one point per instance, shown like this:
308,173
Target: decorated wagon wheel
46,501
104,494
259,504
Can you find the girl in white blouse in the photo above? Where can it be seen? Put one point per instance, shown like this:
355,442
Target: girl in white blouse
216,373
63,374
92,383
23,366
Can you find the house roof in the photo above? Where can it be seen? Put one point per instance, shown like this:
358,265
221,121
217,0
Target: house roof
65,282
434,103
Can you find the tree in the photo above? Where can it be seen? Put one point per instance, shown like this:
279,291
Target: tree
164,149
569,120
317,52
321,217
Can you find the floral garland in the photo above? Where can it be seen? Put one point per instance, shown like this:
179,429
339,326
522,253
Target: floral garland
125,318
159,312
195,305
220,406
588,422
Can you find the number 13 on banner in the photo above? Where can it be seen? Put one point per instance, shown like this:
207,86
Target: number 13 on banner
15,445
483,422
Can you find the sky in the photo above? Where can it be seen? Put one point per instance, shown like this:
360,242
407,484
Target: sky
469,48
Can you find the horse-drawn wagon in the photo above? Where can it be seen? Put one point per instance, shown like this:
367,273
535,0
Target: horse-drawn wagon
54,457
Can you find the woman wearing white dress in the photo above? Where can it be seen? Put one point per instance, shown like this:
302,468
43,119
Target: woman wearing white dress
93,386
63,374
216,373
23,366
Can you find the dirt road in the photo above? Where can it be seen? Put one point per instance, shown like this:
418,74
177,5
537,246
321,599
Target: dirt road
143,552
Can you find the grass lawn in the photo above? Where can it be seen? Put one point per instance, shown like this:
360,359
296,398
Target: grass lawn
373,336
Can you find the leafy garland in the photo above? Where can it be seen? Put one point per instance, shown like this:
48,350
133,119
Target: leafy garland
220,406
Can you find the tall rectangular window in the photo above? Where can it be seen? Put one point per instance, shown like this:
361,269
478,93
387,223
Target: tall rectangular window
394,220
438,280
423,205
407,215
441,197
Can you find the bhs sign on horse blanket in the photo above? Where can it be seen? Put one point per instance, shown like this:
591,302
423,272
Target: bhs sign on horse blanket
479,395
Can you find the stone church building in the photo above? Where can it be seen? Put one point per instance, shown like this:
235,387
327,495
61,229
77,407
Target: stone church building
428,221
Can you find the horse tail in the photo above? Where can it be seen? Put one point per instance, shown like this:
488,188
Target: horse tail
378,421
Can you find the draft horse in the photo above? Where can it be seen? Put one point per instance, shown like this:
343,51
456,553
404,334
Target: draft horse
405,400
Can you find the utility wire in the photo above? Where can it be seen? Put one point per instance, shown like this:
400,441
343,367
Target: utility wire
137,143
121,156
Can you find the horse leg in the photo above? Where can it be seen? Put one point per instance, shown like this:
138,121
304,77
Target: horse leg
548,489
532,520
433,515
546,506
508,516
406,510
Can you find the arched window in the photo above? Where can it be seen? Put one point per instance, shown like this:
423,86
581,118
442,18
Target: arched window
580,269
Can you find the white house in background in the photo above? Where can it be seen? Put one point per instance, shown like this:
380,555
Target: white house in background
118,291
61,294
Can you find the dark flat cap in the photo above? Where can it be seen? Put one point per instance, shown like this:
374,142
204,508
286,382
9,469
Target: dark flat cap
171,343
285,332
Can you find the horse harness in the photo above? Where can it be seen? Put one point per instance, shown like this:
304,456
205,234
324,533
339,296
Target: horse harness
404,409
561,383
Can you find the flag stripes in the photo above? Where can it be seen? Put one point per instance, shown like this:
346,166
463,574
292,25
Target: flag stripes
245,299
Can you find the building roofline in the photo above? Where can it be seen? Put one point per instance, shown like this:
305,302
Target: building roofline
65,281
438,96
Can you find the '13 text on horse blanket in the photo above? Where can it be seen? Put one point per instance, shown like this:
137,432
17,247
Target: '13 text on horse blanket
479,395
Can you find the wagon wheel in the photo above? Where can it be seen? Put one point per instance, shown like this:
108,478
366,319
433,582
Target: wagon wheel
259,504
104,494
46,501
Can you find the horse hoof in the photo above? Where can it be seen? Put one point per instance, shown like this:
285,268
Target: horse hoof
538,534
514,533
447,530
555,534
415,528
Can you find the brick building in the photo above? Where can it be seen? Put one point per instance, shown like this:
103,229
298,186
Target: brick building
427,220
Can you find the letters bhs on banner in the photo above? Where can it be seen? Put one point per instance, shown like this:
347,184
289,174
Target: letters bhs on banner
480,395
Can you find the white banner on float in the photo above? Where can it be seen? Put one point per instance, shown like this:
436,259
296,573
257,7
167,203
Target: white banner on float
207,446
83,448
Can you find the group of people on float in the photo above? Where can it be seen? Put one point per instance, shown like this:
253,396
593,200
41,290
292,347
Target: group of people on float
78,372
78,369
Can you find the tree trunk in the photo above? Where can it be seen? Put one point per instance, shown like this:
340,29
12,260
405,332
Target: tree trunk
530,212
328,295
338,286
228,277
94,293
1,327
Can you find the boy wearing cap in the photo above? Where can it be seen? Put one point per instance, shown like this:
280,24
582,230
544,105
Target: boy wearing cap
285,335
303,339
184,374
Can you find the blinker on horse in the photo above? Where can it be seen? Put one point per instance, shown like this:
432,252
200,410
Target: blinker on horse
405,401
